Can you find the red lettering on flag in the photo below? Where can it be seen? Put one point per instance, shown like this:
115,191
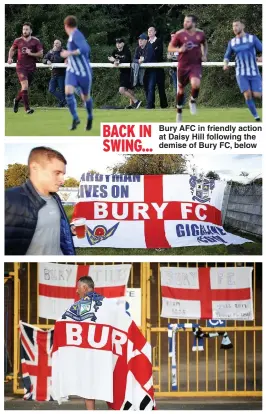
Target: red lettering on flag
205,294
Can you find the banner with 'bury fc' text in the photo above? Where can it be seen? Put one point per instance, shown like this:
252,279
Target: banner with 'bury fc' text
150,211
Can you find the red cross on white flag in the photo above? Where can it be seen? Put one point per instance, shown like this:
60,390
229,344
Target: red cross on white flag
58,284
207,293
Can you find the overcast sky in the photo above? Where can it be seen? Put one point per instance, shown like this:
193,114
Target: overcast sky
83,156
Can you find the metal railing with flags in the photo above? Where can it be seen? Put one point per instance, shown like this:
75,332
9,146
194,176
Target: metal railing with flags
202,373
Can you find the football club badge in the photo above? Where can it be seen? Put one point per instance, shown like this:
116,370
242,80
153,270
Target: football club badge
201,188
85,308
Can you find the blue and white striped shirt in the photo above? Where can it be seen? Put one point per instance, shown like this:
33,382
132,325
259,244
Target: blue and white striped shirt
245,49
80,64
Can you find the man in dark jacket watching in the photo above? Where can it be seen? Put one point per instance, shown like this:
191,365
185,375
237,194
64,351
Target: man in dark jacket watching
157,45
35,221
144,53
121,54
57,81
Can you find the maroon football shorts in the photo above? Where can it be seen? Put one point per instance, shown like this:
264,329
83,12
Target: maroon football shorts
184,75
24,74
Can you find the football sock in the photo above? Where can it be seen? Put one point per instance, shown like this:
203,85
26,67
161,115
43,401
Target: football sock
194,94
25,99
180,100
252,107
88,106
19,96
72,105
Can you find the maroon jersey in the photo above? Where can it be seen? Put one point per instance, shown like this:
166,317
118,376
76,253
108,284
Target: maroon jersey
192,56
24,61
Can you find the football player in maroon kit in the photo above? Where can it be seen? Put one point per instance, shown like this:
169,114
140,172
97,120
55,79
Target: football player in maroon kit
191,45
29,49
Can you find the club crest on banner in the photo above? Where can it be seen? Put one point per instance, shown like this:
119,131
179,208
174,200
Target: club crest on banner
100,233
82,309
85,308
201,188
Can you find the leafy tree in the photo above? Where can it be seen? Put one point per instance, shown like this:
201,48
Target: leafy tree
71,182
15,175
93,172
213,175
151,164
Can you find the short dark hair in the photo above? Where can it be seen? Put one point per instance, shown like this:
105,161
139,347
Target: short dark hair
27,24
192,17
71,21
45,152
87,280
239,20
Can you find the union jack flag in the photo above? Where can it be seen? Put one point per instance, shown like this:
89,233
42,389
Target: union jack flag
36,364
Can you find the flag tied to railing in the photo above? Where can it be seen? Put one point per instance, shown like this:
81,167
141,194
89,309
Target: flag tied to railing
58,284
207,293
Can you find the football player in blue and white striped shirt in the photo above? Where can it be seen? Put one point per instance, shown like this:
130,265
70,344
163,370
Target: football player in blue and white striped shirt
78,72
245,47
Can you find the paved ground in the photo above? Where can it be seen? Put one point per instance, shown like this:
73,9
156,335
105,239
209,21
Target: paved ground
15,403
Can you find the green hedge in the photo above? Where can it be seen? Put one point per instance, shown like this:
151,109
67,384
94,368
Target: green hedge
217,88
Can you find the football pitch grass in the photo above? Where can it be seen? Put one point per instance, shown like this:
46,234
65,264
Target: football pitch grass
219,250
56,122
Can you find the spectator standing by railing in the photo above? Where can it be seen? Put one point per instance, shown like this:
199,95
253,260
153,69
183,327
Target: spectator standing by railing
144,53
157,45
122,54
57,81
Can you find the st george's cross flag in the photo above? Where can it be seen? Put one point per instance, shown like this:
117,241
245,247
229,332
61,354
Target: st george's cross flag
207,293
150,211
99,353
36,361
57,284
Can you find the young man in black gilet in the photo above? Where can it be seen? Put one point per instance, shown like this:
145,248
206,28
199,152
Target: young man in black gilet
121,54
